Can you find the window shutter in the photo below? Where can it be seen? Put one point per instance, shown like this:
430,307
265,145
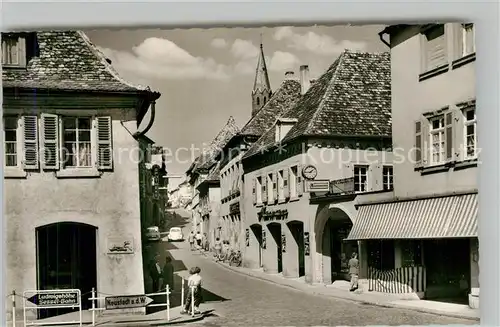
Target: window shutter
286,183
418,143
254,191
264,188
275,186
30,142
436,47
300,183
21,51
50,139
459,134
104,146
449,139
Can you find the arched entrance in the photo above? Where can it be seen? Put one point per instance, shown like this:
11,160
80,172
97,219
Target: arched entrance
276,245
297,247
333,226
257,235
66,258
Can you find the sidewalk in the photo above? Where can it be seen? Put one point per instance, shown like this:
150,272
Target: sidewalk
372,298
107,320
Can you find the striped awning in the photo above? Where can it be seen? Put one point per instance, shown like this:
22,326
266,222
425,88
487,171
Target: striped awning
442,217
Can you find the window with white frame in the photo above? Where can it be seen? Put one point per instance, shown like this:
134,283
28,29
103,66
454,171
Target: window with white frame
293,181
281,186
13,50
270,188
437,140
387,178
77,142
468,39
258,189
434,47
470,136
360,178
11,141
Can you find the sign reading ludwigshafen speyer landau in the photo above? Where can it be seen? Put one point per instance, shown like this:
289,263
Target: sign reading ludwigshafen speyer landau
55,299
127,301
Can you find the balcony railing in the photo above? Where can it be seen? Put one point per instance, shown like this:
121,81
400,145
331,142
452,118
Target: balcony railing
342,186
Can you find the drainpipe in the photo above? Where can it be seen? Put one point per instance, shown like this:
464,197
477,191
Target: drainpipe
381,36
151,121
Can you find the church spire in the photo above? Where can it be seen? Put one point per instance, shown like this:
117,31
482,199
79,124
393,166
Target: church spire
261,87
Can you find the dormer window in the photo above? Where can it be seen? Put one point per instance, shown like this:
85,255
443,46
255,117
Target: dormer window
13,50
283,126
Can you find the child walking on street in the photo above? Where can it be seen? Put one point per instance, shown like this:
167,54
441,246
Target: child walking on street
193,291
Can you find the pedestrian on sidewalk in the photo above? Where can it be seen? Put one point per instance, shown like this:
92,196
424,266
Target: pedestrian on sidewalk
198,238
205,242
354,271
218,249
155,273
191,240
194,291
168,274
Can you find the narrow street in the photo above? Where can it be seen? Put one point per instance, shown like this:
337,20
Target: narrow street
246,301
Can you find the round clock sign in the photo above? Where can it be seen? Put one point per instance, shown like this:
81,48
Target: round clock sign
309,172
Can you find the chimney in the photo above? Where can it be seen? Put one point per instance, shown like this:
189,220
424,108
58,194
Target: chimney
304,79
289,75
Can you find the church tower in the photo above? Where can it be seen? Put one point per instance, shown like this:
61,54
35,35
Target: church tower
261,92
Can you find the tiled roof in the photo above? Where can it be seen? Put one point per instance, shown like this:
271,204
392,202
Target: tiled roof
67,60
352,98
208,158
284,98
213,175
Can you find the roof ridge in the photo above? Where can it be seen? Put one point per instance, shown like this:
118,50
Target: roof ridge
273,94
100,55
325,95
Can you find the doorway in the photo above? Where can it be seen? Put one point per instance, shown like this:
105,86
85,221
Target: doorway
340,250
257,232
275,230
297,230
66,259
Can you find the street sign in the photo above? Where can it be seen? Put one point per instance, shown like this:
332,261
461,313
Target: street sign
55,299
127,301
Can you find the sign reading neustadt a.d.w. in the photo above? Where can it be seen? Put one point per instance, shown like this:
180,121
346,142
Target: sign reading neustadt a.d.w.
127,301
47,299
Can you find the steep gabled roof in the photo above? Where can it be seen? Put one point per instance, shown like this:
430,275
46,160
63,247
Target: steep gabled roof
284,98
66,60
208,158
352,98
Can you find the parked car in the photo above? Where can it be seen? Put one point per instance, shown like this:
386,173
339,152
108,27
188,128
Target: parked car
175,234
153,233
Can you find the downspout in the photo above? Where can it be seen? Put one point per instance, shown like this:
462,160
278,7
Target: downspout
151,121
381,36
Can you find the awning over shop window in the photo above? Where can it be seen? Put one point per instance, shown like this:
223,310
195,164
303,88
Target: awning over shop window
442,217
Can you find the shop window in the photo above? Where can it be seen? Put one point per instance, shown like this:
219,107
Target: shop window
381,254
411,251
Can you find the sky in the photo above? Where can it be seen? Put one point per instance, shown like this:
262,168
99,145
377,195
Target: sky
206,75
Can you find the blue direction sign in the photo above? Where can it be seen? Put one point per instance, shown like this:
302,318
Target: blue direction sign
127,301
55,299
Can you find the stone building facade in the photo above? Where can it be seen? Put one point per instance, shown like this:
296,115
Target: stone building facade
72,199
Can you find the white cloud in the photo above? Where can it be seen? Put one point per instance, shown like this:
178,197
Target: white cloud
283,61
316,43
218,43
244,49
163,59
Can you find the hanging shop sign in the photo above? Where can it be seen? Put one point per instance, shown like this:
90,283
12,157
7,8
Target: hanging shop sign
317,186
234,208
283,243
266,215
156,181
263,239
247,237
306,244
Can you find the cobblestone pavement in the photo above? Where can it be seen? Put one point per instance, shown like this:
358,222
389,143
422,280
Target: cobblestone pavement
245,301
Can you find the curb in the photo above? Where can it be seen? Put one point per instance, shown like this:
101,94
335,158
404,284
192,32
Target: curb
362,301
